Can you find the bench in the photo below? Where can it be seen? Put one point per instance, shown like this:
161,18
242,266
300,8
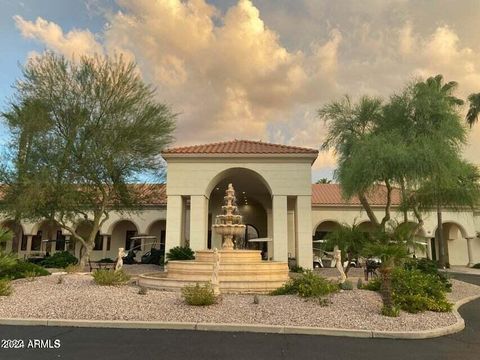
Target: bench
100,265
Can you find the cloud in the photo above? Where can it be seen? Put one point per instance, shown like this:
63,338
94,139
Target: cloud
261,71
75,42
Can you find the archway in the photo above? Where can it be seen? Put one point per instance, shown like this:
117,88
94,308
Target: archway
18,239
48,237
454,235
253,202
158,229
122,233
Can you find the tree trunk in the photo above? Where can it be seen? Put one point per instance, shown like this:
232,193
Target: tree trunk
442,259
386,287
368,209
85,256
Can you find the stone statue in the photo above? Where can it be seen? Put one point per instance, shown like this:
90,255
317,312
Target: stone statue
216,269
121,254
337,256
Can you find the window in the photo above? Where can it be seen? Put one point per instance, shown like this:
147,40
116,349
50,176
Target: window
23,244
60,242
98,241
37,241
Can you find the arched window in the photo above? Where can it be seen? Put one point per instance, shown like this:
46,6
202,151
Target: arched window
251,232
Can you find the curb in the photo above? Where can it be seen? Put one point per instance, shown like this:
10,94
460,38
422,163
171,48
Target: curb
269,329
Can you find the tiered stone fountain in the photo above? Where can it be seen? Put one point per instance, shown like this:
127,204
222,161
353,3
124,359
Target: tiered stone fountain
240,271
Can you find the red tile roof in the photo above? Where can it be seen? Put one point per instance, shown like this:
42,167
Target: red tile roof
241,147
331,194
322,194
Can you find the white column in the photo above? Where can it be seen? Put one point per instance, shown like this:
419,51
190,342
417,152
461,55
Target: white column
29,244
280,228
104,246
198,222
470,251
174,231
303,214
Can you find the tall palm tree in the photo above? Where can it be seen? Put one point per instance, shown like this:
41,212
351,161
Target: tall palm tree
435,86
474,109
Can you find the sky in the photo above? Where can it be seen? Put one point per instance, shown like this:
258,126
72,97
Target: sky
256,69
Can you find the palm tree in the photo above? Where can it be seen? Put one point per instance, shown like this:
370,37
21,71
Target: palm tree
323,181
442,92
349,239
474,109
392,247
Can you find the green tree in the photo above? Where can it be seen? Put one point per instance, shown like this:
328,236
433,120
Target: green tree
323,181
392,246
81,133
474,109
349,239
412,140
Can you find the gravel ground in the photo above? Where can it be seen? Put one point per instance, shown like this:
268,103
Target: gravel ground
79,298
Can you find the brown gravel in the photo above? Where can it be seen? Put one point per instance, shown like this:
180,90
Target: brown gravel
79,298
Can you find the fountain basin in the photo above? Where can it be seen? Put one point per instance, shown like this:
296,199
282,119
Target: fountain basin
229,229
241,271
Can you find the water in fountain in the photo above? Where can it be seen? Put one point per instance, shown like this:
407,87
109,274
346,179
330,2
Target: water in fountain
229,225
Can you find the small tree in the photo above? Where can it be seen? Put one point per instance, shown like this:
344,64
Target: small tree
392,246
474,109
81,132
349,239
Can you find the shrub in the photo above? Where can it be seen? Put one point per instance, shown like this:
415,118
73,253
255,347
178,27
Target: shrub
359,283
373,285
31,275
198,295
59,260
415,291
109,277
5,287
346,285
476,266
308,285
70,269
106,260
428,266
142,290
393,311
180,253
297,269
21,269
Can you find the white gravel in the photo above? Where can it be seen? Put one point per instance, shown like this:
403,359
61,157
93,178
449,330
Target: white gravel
79,298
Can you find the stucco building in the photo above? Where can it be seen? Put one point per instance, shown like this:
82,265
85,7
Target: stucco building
274,195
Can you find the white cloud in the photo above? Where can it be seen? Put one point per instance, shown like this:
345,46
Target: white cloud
231,75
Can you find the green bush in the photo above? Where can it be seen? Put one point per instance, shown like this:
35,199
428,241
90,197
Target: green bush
347,285
22,269
110,277
106,260
180,253
359,283
308,285
476,266
5,287
373,285
199,295
428,266
59,260
415,291
297,269
390,311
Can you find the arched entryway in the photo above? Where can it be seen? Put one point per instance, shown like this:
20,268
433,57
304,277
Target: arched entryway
254,202
157,229
122,233
48,238
18,240
455,236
